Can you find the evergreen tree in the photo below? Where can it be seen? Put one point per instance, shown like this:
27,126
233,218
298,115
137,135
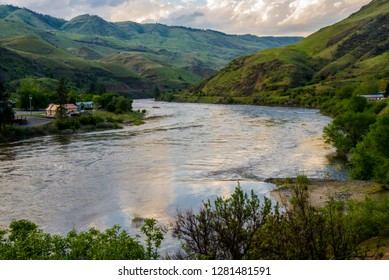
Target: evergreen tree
62,98
157,93
3,92
6,111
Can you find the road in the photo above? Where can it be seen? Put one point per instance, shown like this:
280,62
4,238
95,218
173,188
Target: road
36,121
33,120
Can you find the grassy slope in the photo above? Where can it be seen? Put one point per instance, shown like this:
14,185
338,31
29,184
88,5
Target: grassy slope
348,51
169,57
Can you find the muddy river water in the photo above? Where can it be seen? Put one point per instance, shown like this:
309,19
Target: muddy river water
183,154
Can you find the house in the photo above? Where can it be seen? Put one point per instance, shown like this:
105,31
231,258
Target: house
51,111
87,105
374,97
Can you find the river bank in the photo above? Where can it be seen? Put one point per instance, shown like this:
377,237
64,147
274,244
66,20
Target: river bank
321,189
37,125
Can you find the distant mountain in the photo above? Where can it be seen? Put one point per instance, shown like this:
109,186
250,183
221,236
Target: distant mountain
29,17
93,25
309,71
125,57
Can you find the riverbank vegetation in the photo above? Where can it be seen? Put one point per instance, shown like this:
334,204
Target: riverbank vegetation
242,227
99,120
360,132
24,240
111,112
239,227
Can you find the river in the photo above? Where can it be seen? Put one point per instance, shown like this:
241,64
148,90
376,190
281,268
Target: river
183,154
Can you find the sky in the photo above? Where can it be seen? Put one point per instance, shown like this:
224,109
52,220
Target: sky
258,17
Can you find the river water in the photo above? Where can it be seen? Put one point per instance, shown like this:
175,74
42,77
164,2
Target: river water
183,155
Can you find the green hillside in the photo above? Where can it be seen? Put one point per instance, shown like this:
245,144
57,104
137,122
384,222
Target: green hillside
13,66
308,72
124,57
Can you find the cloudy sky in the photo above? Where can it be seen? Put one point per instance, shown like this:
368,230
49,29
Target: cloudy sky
259,17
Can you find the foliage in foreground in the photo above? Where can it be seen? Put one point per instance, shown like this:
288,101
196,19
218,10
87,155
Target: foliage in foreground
25,241
361,129
241,227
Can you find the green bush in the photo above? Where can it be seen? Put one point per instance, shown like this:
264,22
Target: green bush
87,119
25,241
66,123
240,227
348,129
370,159
223,229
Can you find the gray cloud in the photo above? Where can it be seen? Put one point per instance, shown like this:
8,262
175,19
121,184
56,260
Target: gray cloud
187,19
96,3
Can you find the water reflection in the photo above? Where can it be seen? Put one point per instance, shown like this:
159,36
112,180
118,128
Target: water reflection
183,155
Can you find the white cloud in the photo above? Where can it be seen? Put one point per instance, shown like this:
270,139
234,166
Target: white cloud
261,17
143,11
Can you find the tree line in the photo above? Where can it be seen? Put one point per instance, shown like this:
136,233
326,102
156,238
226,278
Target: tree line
42,96
360,132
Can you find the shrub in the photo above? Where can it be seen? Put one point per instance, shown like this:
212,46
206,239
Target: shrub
25,241
223,229
336,231
240,227
66,123
87,119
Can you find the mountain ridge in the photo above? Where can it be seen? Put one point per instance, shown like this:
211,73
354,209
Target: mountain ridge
343,54
175,57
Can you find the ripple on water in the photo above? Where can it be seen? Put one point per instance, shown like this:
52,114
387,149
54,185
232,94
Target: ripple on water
183,155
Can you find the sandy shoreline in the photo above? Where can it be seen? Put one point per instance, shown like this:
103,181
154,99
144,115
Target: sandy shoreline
321,189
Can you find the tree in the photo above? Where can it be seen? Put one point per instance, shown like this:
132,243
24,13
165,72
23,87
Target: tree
303,231
157,93
6,112
369,85
4,95
223,229
62,98
370,158
30,88
122,104
357,104
348,129
107,101
154,237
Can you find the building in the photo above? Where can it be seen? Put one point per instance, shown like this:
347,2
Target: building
374,97
51,111
85,105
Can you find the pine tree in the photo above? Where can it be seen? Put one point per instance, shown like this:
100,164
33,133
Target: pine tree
62,98
6,111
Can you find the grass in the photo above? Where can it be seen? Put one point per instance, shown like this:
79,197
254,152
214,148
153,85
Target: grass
167,57
34,114
349,51
135,118
321,189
